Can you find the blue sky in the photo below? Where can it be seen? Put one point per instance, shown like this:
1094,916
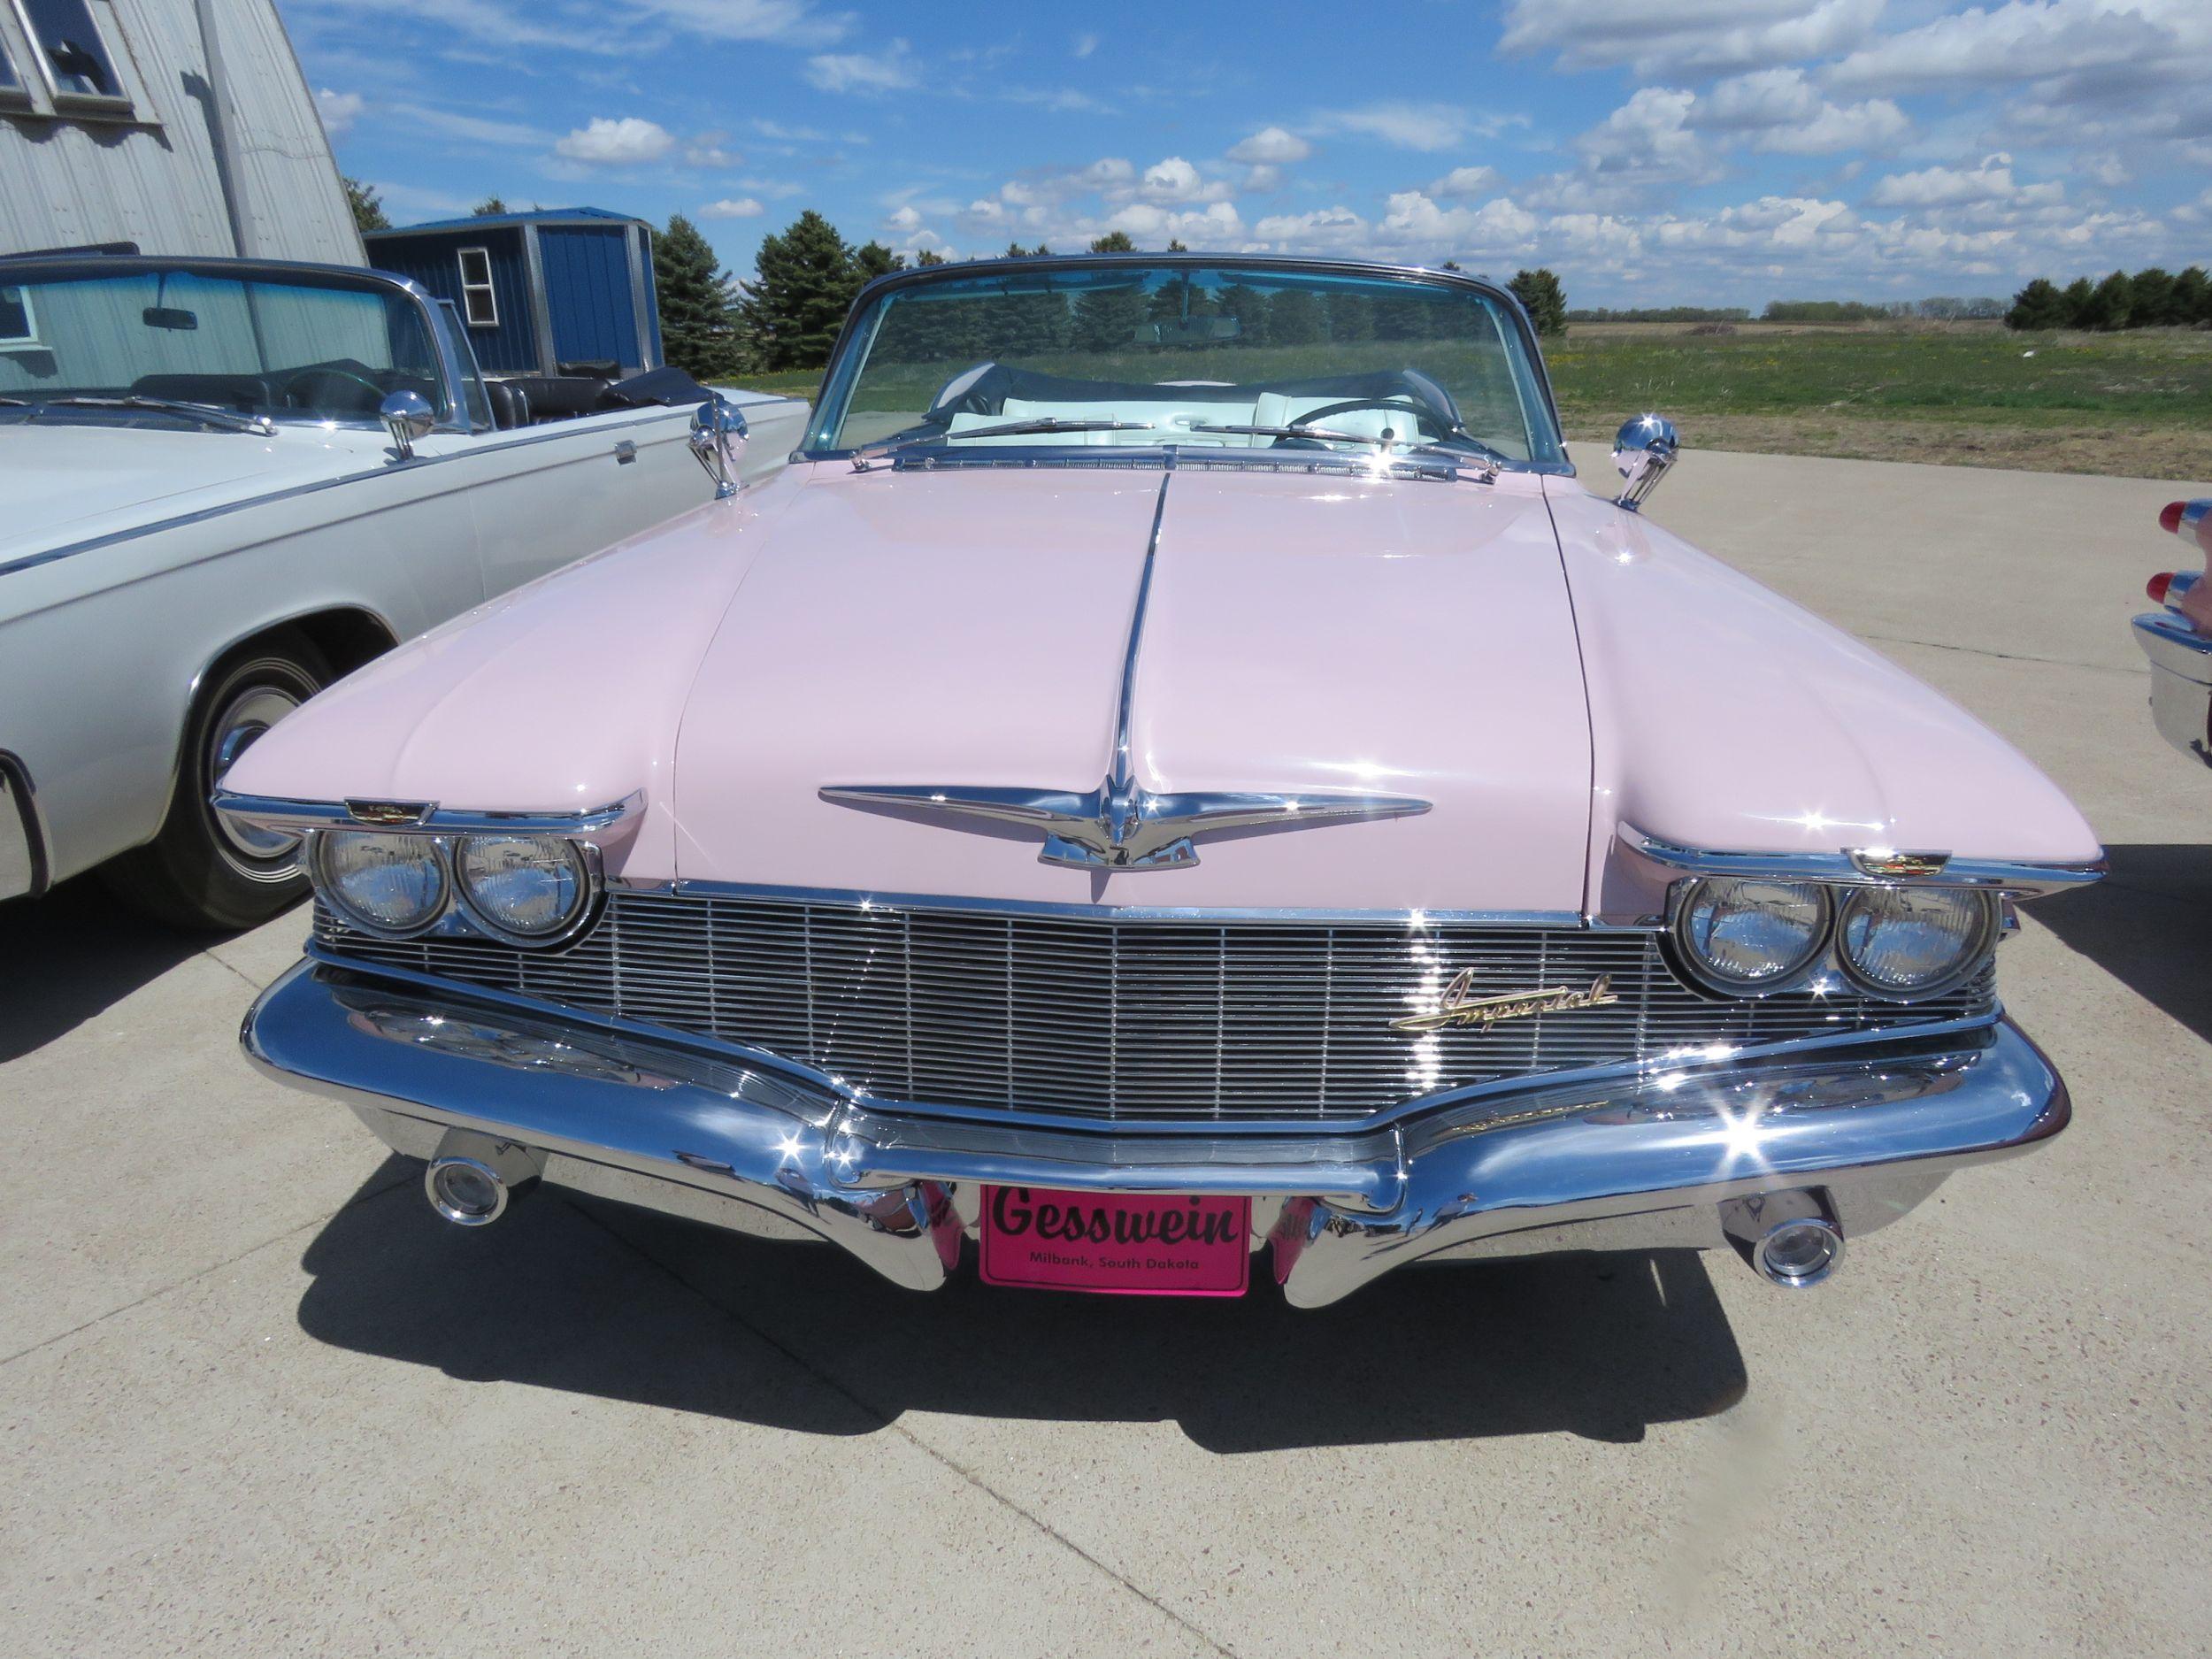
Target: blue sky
1690,151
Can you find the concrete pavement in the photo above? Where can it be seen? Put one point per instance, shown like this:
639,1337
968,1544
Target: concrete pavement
257,1400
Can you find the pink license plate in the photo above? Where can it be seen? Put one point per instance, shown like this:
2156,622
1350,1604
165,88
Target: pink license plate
1121,1244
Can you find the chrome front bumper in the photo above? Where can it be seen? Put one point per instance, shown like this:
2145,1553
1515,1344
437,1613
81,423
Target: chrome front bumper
1647,1160
2181,682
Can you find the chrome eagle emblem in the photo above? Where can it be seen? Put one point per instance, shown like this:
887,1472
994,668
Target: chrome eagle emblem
1120,824
1455,1006
1121,827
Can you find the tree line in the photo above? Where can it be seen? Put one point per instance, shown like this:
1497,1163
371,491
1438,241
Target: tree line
2151,298
807,275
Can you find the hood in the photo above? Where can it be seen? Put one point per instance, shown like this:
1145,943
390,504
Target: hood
1302,634
73,483
1725,718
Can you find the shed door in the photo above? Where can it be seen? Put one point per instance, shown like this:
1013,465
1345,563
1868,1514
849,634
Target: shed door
588,290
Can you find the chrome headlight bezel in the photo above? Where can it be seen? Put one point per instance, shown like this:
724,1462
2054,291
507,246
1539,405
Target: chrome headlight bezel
331,891
1988,928
583,858
1708,976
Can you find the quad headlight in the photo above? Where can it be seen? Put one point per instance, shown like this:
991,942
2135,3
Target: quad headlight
1747,935
529,889
390,885
1912,942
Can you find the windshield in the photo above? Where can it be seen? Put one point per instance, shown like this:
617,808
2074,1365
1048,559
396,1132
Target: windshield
116,345
1143,354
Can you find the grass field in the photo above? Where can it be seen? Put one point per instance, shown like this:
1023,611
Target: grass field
2137,405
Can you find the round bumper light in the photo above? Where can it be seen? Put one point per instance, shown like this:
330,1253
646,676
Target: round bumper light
1798,1255
1743,936
531,890
1911,942
383,884
466,1191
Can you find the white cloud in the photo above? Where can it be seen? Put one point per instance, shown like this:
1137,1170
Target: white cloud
1217,226
1990,180
2030,40
733,207
1270,146
887,70
1084,45
1465,181
906,217
1780,109
340,110
1712,36
1648,141
1426,127
605,143
1175,181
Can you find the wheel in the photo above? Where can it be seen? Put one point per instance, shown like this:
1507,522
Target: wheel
200,873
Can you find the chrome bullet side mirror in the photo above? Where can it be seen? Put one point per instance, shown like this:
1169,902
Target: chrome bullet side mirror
1644,450
407,416
716,431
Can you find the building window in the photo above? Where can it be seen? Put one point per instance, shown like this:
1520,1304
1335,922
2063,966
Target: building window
479,304
77,61
11,90
18,326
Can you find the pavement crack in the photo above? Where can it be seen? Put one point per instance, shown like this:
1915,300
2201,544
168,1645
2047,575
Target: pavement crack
892,1425
213,1267
2003,657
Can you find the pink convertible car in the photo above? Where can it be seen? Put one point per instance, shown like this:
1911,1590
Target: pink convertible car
1177,785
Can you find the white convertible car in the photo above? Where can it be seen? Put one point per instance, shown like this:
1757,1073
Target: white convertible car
225,484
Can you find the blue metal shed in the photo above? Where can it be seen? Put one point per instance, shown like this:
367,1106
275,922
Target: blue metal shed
557,291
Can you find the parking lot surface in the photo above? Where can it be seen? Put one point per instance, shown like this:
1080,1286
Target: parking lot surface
259,1400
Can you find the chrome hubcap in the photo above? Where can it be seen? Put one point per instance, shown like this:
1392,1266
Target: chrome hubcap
239,726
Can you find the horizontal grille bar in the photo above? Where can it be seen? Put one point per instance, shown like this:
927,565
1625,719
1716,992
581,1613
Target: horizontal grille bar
1129,1021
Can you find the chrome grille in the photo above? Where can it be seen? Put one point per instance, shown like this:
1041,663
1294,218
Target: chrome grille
1121,1020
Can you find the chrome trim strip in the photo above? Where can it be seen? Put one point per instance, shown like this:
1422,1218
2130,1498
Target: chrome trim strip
492,443
1165,913
420,818
1854,866
813,1079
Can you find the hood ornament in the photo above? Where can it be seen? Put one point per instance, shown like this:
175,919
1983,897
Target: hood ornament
1121,826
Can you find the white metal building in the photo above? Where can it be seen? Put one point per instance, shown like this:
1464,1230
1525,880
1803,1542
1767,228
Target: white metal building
180,127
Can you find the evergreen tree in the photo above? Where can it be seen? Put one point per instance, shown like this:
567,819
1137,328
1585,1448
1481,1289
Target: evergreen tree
793,312
367,206
2151,295
1293,318
2193,297
870,260
2080,297
1544,300
487,207
1351,316
1175,245
693,292
2038,305
2110,303
924,258
1112,241
1249,306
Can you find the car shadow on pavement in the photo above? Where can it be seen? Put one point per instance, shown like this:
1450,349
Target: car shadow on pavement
72,954
595,1298
2148,924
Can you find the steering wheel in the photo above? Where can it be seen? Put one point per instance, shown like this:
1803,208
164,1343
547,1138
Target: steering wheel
1395,405
291,395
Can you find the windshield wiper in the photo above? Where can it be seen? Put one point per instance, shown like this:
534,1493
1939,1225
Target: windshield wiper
1003,429
1484,453
208,414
